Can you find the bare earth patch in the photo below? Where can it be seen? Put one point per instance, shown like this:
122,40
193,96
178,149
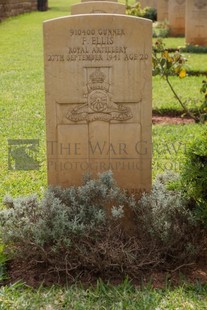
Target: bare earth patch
171,120
35,275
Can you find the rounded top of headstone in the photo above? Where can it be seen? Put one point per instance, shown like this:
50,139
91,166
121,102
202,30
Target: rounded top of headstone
180,1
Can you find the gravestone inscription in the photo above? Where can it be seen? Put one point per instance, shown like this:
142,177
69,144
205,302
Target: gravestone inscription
98,99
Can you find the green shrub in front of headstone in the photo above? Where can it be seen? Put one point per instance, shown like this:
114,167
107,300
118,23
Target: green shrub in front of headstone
78,230
194,177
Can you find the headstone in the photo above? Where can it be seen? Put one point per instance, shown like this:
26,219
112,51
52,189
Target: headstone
176,17
98,7
148,3
42,5
196,22
162,10
98,0
98,99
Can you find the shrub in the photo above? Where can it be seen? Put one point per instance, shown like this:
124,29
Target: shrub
62,214
161,29
168,220
167,64
150,13
134,10
79,230
193,49
194,177
147,12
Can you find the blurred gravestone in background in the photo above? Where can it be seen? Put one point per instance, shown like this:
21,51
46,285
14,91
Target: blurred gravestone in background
176,16
196,22
42,5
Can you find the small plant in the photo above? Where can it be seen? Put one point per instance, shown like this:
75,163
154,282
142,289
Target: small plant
168,220
194,177
168,64
203,107
150,13
136,10
62,215
161,29
193,49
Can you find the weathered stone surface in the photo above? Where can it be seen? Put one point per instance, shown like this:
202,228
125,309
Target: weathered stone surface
162,10
98,7
176,17
196,22
98,98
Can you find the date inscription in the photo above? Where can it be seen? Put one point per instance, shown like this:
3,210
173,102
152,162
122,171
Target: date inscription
95,45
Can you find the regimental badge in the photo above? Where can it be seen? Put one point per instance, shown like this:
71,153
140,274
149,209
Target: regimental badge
99,104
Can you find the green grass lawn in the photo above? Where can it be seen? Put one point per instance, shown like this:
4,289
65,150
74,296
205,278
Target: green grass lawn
104,297
170,144
187,88
196,62
174,42
22,116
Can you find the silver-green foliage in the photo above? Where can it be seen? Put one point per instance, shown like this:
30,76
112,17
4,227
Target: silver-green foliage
82,227
62,214
166,216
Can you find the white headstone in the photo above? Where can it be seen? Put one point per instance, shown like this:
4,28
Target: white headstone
98,98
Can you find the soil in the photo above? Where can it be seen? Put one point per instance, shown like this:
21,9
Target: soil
171,120
36,275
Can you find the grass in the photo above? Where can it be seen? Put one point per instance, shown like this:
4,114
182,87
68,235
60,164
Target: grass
187,88
3,260
173,42
170,144
102,296
196,62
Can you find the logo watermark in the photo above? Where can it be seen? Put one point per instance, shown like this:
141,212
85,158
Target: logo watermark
22,154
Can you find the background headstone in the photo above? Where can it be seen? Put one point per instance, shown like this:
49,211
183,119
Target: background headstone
98,7
98,0
162,10
176,17
98,99
196,22
148,3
